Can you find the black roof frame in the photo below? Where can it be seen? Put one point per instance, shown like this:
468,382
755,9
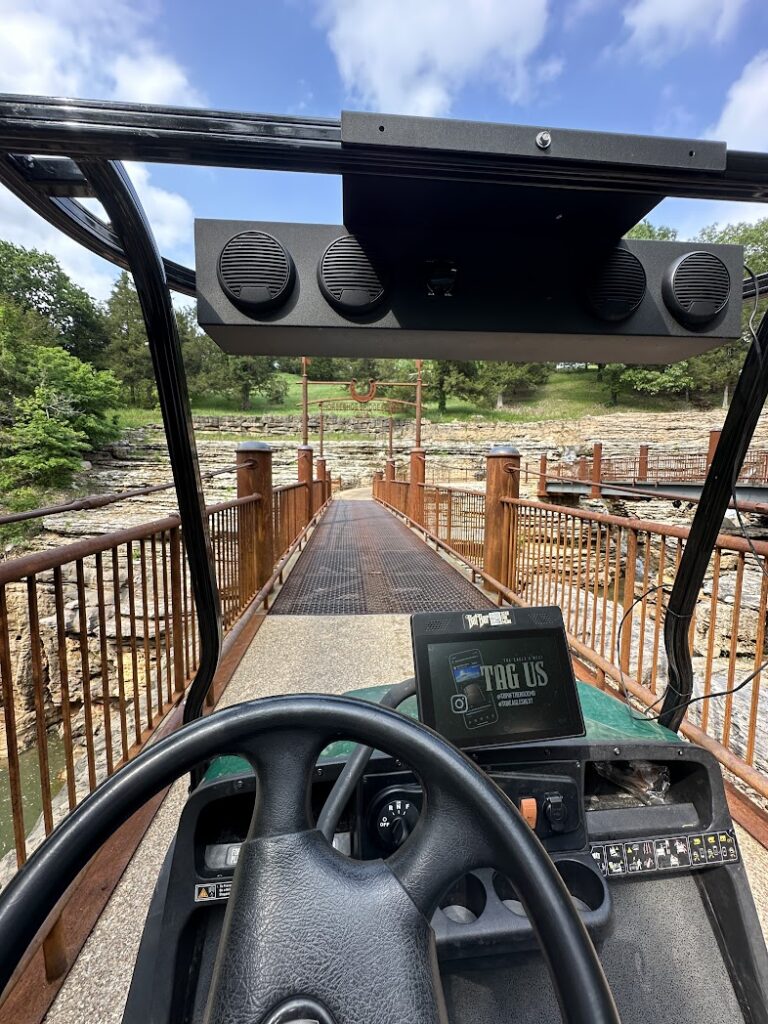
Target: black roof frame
54,152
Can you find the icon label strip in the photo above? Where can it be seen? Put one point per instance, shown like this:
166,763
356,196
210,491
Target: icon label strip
646,856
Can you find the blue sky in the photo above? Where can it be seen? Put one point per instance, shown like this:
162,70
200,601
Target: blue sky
695,68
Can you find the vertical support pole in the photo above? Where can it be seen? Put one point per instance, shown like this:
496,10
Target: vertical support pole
714,437
419,365
642,465
254,476
390,451
581,469
630,573
305,477
389,477
597,468
378,478
502,480
416,485
321,472
304,402
322,432
541,487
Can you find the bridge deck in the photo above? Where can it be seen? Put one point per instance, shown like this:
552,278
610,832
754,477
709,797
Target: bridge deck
309,642
361,560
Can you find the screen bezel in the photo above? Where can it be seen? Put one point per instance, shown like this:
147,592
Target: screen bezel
425,692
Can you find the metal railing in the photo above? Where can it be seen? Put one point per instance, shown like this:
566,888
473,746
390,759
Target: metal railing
611,577
457,516
98,640
290,514
658,468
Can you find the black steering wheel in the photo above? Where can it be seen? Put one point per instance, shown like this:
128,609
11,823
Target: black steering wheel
306,928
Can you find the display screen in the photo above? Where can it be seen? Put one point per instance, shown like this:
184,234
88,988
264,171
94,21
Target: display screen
497,686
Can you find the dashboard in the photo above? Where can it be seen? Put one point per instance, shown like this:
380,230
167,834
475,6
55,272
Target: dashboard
640,834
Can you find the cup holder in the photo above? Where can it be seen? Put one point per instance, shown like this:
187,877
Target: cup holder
508,894
586,887
465,901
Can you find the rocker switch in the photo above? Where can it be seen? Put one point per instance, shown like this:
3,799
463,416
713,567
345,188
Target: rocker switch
529,810
555,811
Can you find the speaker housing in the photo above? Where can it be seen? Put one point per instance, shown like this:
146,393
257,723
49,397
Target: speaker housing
256,272
696,288
618,287
513,299
348,277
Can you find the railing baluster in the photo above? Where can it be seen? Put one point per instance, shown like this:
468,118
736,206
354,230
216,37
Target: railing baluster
134,642
85,668
735,620
119,655
66,710
106,700
762,610
11,736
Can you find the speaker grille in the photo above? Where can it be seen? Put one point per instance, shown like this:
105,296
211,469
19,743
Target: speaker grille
256,271
618,288
697,287
348,278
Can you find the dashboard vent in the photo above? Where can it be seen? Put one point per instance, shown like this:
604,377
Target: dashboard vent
348,279
618,288
696,288
256,271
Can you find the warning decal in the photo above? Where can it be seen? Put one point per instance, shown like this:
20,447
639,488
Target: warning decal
209,891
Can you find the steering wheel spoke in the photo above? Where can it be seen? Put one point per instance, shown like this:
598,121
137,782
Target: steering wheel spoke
283,761
443,847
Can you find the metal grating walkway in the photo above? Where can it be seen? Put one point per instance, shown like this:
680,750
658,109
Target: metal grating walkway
362,561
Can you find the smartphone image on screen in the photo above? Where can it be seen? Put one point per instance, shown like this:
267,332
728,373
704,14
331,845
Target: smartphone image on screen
472,700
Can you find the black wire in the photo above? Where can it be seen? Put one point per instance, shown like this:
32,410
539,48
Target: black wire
718,693
644,716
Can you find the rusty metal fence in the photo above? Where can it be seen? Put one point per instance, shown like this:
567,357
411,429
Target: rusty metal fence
98,640
611,577
290,514
457,517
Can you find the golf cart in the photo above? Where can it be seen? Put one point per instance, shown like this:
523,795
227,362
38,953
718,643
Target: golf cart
528,850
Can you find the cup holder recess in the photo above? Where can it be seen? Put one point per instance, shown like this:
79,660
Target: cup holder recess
585,886
465,901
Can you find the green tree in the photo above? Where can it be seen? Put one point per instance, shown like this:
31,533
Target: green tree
500,382
674,379
35,281
59,411
127,354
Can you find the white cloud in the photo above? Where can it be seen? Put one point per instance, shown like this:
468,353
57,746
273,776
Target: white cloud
414,56
662,28
743,122
104,51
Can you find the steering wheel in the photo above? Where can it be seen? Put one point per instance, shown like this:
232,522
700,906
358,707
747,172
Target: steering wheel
310,934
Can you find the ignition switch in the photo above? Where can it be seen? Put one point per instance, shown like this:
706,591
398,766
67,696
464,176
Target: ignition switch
555,811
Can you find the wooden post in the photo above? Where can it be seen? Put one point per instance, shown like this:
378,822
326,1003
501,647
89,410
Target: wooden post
254,476
305,477
714,437
597,466
541,488
416,485
581,469
378,478
642,465
502,480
